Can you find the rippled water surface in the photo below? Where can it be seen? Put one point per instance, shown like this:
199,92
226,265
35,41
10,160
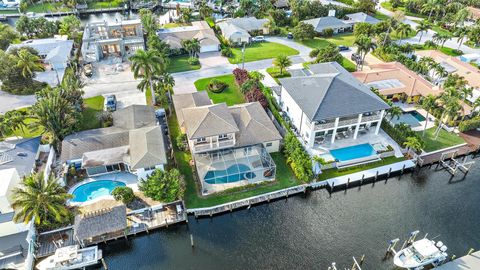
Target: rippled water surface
311,232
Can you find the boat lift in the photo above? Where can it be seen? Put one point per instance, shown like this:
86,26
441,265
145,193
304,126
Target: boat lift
356,265
392,243
448,161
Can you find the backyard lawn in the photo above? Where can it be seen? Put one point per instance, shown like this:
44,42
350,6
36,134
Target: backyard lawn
47,7
330,173
105,4
180,64
260,51
231,95
192,198
445,139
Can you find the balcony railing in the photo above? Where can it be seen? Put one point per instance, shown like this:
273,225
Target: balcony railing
347,122
213,146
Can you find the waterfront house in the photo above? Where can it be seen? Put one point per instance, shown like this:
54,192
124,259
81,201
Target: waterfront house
396,82
360,17
230,144
120,39
55,54
240,30
96,222
327,105
134,144
199,30
17,159
329,22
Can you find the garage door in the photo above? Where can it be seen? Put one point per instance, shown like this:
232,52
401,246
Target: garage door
209,48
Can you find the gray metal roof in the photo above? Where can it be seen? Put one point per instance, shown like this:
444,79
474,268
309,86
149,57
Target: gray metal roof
100,222
323,23
362,17
20,154
254,125
195,99
331,92
208,121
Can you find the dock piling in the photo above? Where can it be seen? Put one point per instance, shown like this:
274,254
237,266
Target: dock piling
403,168
453,257
470,251
104,264
376,176
191,240
389,172
362,259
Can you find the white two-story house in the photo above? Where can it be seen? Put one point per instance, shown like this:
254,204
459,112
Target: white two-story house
326,104
230,144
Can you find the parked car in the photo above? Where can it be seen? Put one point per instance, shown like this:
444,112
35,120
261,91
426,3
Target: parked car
343,48
110,103
88,70
290,35
258,39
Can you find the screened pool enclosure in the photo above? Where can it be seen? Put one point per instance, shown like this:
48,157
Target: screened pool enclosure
248,164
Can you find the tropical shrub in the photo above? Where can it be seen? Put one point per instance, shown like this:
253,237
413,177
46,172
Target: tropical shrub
257,95
216,86
227,52
124,194
298,158
328,32
399,133
313,53
329,53
241,76
303,31
193,61
469,124
164,186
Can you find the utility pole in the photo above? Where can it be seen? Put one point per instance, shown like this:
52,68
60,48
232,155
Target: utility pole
243,56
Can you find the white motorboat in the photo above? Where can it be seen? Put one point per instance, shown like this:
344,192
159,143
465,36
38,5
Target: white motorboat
71,257
421,253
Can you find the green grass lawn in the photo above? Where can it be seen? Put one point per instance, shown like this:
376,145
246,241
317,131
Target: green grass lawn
2,11
89,119
330,173
445,139
387,5
173,25
180,64
439,29
275,73
314,43
381,16
450,51
348,65
105,4
192,198
47,7
345,39
231,95
260,51
210,21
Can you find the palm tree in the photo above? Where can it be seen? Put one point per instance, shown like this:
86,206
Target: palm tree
16,120
364,46
55,115
195,47
395,111
403,30
421,28
28,63
461,33
451,107
282,62
413,143
145,65
428,104
204,10
439,71
429,7
41,200
5,127
441,38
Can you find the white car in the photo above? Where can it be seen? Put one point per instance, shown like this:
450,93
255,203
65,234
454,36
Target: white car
258,39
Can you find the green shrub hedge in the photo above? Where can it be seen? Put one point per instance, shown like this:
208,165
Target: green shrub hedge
469,124
216,86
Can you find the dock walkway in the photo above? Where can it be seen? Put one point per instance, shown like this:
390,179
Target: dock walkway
469,262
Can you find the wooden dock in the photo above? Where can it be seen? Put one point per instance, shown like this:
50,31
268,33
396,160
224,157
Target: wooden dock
138,221
469,262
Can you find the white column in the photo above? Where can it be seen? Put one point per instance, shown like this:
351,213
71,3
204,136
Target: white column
311,138
357,127
379,122
211,142
335,129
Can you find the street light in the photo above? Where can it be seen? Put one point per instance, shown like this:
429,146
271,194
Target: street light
243,56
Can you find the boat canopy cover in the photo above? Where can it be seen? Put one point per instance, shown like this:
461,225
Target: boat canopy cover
425,247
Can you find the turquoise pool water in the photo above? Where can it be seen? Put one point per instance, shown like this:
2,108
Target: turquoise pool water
233,173
95,189
353,152
412,119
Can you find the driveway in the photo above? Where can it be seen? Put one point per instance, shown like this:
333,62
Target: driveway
131,97
213,59
10,102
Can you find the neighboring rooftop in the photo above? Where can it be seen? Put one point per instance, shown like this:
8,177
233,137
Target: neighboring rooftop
240,26
322,23
19,154
395,78
360,17
330,92
57,48
199,30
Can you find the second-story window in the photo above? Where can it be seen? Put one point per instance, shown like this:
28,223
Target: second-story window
223,136
201,140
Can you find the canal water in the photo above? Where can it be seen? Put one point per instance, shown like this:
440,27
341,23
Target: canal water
312,232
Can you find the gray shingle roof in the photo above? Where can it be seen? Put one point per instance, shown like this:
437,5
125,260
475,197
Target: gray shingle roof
323,23
134,116
100,222
200,31
208,121
182,101
149,147
254,125
54,49
362,17
241,26
23,163
331,92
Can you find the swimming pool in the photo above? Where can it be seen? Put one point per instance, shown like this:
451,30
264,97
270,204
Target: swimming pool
233,173
412,119
353,152
95,189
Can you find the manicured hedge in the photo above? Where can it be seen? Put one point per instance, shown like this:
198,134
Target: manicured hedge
469,124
